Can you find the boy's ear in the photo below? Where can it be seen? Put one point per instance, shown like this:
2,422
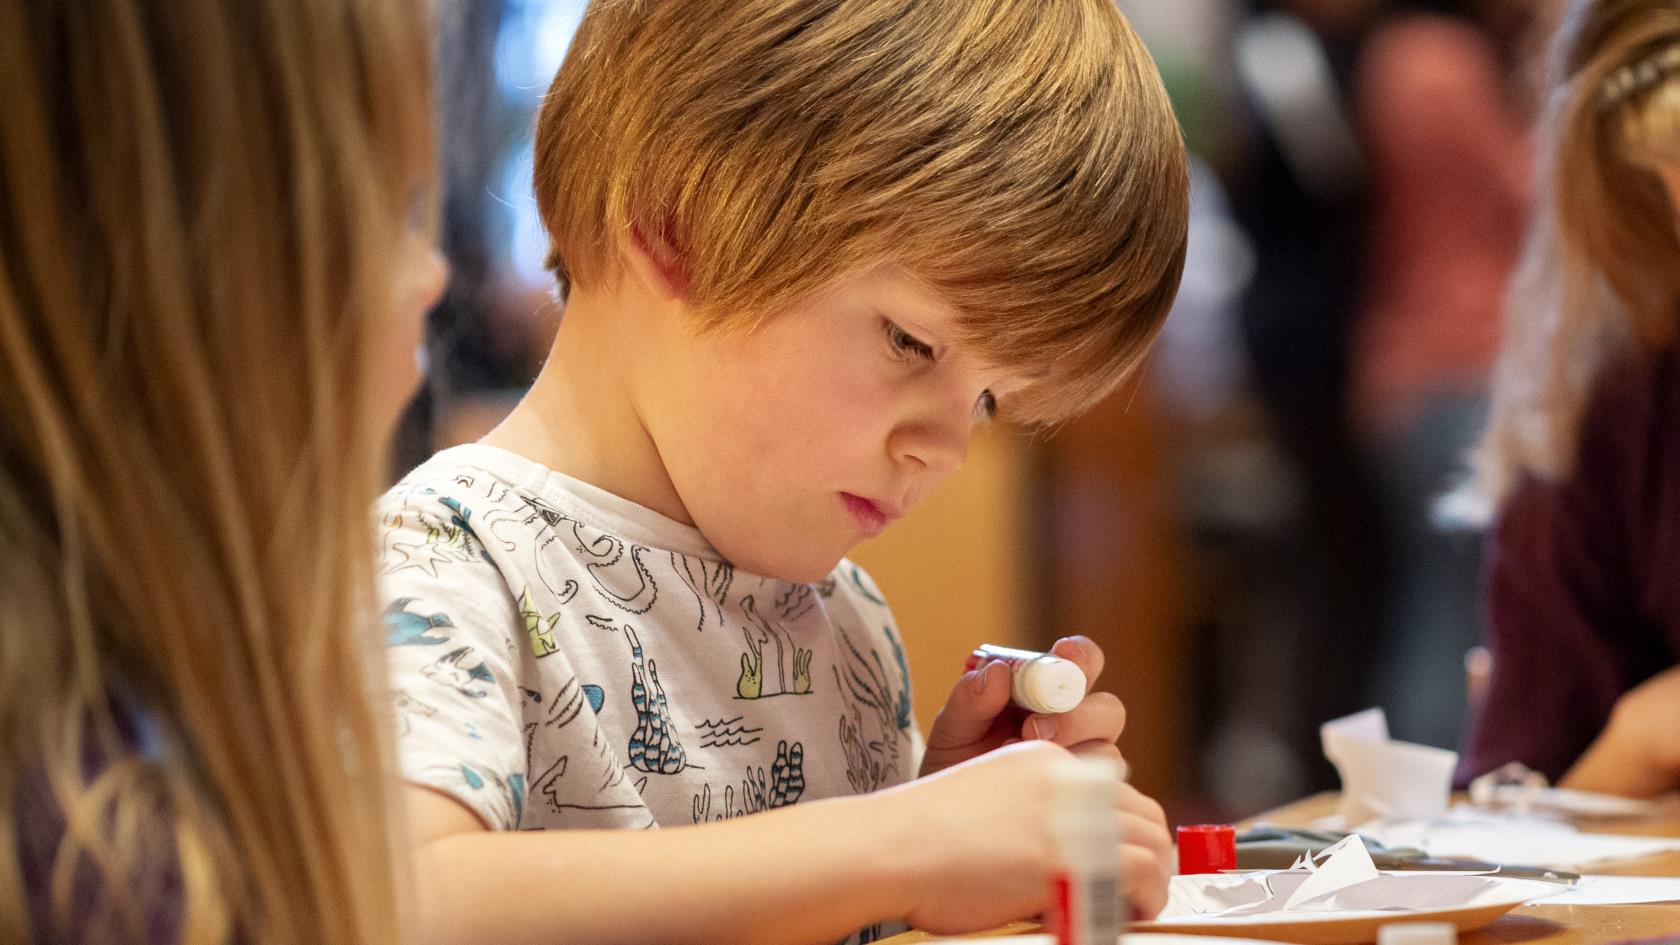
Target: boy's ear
657,258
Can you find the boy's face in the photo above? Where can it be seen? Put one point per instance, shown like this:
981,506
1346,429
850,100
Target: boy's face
792,443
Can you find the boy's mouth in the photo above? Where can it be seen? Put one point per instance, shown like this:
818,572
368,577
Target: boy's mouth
871,518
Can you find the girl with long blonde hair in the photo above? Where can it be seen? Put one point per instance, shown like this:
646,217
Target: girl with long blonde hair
1581,461
213,255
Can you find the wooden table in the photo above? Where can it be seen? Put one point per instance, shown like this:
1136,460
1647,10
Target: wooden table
1529,925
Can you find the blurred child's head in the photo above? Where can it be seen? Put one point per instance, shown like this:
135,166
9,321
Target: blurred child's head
828,191
1601,272
213,258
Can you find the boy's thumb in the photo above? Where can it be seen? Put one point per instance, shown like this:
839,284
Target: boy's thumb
979,697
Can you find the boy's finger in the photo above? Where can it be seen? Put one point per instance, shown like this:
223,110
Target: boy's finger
979,697
1099,718
1145,880
1085,653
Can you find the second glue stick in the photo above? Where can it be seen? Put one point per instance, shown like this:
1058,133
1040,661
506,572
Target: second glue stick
1085,905
1040,682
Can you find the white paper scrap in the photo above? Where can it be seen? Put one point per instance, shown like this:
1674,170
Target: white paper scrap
1382,777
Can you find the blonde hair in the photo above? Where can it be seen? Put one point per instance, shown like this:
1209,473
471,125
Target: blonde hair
1021,158
199,202
1600,275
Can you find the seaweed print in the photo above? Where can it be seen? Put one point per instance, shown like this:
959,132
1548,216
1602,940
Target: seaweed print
784,785
653,746
710,585
870,758
753,681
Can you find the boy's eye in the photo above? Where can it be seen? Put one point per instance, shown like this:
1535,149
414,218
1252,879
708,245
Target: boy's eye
905,345
986,408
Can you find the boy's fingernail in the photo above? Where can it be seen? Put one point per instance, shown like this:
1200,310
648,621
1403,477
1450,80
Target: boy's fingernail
1044,728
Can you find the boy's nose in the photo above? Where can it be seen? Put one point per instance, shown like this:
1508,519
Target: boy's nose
939,447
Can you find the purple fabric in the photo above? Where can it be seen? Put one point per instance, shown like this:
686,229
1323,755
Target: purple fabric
41,826
1584,580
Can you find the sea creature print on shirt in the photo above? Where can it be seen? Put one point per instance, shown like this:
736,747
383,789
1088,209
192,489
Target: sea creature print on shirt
447,537
585,781
463,671
538,628
408,629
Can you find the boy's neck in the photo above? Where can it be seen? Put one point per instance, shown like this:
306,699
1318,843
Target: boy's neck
580,417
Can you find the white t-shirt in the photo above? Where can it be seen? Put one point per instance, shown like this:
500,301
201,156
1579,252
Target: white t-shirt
566,658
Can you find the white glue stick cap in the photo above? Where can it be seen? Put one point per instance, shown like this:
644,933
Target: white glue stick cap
1050,685
1417,933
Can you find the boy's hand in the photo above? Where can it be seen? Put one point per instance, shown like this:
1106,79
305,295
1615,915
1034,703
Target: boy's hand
978,717
980,833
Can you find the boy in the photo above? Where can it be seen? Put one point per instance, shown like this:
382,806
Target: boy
804,246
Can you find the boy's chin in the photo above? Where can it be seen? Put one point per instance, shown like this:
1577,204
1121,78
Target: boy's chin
803,568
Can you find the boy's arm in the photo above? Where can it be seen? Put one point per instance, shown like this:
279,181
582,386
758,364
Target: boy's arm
962,850
813,872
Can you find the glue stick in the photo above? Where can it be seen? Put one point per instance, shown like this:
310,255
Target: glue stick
1040,682
1085,904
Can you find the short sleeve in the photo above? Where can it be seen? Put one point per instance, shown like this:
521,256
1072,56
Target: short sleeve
452,630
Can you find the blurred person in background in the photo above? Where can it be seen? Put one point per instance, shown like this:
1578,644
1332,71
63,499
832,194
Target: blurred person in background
1299,190
1445,129
1580,464
214,257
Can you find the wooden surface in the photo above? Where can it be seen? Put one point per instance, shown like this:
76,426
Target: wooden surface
1561,925
1529,925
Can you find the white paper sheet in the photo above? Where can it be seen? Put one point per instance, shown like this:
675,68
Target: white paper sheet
1617,891
1516,840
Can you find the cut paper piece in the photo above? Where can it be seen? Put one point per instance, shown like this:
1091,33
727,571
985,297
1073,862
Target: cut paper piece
1618,891
1382,777
1516,841
1253,904
1346,881
1128,939
1346,863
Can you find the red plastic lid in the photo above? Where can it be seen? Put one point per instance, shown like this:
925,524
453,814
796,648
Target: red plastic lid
1206,848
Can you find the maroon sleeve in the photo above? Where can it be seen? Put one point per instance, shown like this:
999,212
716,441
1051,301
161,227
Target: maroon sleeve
1562,595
